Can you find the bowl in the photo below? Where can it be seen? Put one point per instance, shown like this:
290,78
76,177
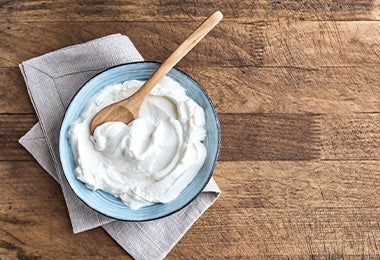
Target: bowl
106,203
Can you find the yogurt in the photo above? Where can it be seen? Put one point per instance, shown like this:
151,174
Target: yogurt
150,160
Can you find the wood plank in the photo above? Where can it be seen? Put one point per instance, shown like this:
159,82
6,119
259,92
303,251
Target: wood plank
277,44
158,10
259,137
267,209
325,9
285,210
14,97
291,90
247,137
322,44
12,128
296,86
299,184
254,90
156,41
354,137
330,233
34,221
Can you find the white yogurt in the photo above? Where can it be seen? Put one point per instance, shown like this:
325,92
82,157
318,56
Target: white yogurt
152,159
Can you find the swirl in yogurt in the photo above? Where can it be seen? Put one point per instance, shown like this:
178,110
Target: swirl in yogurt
150,160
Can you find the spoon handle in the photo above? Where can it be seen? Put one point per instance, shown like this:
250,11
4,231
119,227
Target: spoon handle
179,53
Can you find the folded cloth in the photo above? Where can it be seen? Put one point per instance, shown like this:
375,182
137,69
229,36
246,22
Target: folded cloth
52,80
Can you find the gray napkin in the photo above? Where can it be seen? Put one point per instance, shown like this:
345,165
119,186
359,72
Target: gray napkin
52,80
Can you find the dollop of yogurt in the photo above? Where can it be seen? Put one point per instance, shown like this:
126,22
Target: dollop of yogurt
150,160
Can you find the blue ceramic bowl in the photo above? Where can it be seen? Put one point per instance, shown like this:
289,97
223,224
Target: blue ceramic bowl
108,204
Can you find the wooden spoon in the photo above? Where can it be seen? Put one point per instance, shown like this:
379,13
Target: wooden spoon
128,109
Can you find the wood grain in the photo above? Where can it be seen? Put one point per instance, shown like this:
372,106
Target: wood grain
291,90
281,210
320,233
254,90
12,128
354,136
296,86
248,137
170,10
278,44
13,94
292,185
322,44
267,209
156,41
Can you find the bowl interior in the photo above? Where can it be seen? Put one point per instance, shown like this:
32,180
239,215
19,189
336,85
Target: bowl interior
108,204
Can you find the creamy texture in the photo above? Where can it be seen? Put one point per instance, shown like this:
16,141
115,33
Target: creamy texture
150,160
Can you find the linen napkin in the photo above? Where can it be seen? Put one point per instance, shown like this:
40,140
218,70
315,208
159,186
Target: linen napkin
52,80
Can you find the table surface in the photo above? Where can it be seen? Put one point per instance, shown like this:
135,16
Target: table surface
296,86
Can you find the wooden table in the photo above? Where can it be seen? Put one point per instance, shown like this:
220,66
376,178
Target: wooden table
297,88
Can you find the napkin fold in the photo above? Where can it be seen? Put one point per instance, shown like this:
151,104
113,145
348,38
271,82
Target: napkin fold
52,80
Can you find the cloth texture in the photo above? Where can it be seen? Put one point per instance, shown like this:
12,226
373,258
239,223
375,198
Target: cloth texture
52,80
